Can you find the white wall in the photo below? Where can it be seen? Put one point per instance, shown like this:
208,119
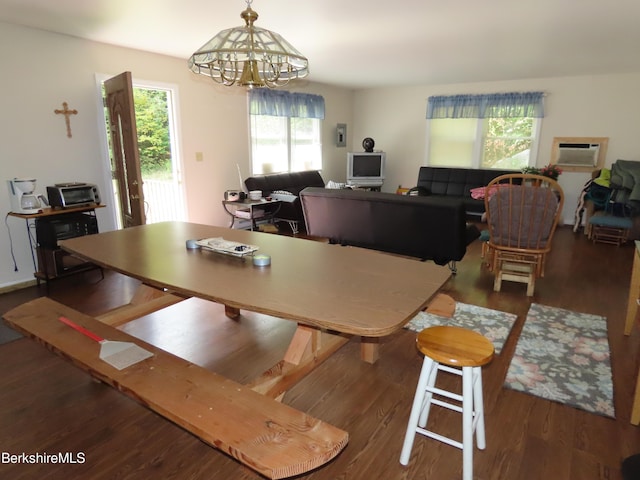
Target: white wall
588,106
40,70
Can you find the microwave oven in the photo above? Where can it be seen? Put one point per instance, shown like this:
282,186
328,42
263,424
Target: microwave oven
51,229
73,194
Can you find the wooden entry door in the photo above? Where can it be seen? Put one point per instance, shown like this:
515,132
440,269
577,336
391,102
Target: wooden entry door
124,146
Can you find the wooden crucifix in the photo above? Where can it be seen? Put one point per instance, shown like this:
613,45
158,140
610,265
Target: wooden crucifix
67,113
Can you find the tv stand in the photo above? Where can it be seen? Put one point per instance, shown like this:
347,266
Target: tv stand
373,187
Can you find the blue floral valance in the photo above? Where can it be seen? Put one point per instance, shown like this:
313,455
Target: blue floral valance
280,103
493,105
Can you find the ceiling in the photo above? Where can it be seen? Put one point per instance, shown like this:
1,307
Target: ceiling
359,44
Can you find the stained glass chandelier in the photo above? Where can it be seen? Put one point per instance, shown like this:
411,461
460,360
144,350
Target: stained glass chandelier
249,56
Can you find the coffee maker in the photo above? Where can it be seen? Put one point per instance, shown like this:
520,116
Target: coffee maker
22,196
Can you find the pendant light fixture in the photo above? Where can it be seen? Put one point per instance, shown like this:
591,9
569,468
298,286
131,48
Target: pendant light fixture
249,56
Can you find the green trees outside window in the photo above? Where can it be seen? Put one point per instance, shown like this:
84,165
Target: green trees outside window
154,142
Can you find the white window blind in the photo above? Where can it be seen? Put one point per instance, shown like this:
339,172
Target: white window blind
285,131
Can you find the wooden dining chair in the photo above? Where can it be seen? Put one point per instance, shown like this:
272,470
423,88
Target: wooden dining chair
522,212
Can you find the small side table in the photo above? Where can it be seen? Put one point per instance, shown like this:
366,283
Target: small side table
252,210
49,265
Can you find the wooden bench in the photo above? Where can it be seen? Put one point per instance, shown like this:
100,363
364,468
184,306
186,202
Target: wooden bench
267,436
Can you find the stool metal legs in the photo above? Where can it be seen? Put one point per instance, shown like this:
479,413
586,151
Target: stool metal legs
472,410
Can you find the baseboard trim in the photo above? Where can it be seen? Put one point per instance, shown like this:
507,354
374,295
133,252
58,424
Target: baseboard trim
17,286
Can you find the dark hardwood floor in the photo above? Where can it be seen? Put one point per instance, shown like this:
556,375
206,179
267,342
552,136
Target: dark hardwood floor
49,406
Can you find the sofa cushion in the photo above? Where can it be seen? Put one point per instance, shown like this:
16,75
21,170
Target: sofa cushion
458,182
520,218
292,182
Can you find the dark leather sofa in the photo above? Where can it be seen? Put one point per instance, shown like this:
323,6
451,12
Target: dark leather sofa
429,228
290,212
457,183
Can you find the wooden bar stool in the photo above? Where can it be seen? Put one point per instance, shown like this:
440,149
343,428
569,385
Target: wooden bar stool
462,352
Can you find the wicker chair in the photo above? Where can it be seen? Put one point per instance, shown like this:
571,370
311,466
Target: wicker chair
522,214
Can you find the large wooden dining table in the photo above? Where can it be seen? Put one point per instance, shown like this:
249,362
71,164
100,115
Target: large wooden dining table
350,290
332,292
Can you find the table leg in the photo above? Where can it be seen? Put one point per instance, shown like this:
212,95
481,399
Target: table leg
635,410
634,294
233,217
309,347
146,300
32,249
370,349
232,312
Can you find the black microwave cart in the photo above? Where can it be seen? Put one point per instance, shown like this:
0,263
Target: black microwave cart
51,226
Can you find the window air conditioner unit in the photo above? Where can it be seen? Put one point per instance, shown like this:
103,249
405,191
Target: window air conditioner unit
578,154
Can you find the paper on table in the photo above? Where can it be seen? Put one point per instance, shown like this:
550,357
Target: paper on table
219,244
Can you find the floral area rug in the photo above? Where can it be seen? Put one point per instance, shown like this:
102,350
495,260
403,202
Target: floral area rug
564,356
492,324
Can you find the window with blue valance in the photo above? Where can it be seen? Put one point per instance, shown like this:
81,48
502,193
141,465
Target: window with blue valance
285,131
493,105
280,103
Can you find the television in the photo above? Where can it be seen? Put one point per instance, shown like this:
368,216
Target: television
365,169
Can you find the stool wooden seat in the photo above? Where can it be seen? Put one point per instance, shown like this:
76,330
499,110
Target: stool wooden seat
455,346
462,352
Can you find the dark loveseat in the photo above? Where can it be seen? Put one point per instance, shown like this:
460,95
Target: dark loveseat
457,183
429,228
290,211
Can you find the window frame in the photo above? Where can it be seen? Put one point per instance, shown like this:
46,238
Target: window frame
478,146
281,103
480,107
288,138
